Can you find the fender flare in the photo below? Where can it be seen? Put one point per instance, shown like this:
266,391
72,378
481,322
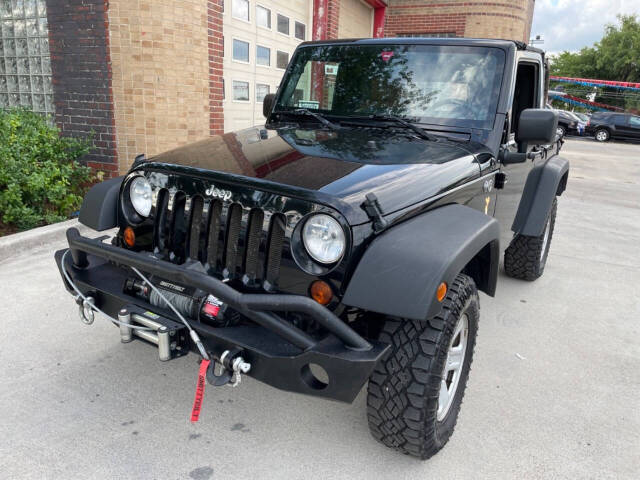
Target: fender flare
99,209
401,269
543,183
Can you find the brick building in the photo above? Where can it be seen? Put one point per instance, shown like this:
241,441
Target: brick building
149,75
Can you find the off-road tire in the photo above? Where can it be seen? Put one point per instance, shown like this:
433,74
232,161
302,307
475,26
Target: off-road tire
525,258
402,400
602,135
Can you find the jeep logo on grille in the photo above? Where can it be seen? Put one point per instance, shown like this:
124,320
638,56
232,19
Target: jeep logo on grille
214,192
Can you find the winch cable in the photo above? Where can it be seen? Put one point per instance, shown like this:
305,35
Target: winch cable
192,332
86,301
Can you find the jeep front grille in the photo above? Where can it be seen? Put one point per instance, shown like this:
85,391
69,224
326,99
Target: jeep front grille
233,241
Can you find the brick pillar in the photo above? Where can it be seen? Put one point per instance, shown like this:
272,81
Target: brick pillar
325,19
216,113
81,76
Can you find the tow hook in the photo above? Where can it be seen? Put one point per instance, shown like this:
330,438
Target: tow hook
85,309
231,365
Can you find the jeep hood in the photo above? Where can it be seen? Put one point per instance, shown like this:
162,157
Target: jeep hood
337,168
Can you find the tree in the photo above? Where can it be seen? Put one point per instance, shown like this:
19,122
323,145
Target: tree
615,57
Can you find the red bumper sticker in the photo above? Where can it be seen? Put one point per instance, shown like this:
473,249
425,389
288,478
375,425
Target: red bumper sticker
202,380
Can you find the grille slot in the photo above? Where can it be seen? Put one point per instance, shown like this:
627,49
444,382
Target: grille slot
160,233
178,222
234,219
232,241
215,215
196,224
274,251
252,245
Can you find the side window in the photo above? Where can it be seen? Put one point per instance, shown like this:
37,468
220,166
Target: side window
634,122
526,91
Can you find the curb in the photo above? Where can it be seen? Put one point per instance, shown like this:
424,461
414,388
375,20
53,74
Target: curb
37,237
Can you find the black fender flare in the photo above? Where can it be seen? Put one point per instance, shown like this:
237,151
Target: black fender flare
543,183
402,268
100,205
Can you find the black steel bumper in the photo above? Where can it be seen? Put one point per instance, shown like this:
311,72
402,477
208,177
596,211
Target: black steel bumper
280,353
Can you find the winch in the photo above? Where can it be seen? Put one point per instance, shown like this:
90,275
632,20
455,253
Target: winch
191,302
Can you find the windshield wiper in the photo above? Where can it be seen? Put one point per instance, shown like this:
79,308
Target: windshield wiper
401,121
317,116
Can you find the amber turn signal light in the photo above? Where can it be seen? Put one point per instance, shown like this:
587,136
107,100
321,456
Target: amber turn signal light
321,292
129,237
441,292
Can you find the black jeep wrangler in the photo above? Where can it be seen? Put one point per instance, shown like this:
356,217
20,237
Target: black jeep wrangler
346,240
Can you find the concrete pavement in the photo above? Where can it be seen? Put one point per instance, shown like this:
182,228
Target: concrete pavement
554,390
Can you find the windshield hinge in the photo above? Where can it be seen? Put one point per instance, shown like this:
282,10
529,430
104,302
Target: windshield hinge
374,212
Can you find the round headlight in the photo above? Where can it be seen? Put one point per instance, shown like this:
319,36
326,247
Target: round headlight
140,195
323,238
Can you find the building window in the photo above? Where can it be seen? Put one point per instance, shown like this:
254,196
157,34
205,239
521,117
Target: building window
25,66
301,31
282,59
224,95
240,9
262,90
263,17
283,24
263,56
240,91
240,51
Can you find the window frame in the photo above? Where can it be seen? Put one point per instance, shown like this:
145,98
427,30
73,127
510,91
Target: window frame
248,19
233,59
256,91
295,24
261,64
288,59
288,34
269,28
233,92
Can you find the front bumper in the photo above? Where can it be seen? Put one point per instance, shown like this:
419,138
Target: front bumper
280,353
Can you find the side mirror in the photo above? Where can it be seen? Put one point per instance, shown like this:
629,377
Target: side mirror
267,104
537,126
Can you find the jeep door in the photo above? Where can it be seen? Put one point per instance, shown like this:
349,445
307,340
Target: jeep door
527,92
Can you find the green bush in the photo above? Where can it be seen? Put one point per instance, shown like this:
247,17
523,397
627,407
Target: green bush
41,180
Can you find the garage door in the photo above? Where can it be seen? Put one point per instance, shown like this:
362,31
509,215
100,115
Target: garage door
356,19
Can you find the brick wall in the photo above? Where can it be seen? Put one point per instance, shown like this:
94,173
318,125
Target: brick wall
508,19
79,43
164,73
216,86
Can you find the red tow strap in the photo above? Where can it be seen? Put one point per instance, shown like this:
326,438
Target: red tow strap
202,381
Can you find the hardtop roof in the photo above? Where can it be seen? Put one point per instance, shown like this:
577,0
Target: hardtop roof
476,42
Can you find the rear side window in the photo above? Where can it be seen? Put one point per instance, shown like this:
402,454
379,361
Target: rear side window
620,120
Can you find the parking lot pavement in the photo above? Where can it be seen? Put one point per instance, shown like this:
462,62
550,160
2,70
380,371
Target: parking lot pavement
554,390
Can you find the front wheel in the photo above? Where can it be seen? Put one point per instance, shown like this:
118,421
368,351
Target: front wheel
526,257
561,131
602,135
416,390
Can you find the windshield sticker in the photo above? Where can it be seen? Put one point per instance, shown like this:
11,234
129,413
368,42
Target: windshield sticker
386,56
308,104
331,69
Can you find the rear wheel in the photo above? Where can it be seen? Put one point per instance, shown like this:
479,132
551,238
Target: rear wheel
526,257
602,135
416,391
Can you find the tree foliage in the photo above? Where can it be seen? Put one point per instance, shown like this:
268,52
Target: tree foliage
615,57
41,180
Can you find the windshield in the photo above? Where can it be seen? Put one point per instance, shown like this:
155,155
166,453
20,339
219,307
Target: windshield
441,85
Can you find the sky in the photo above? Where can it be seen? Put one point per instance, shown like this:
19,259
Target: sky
573,24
